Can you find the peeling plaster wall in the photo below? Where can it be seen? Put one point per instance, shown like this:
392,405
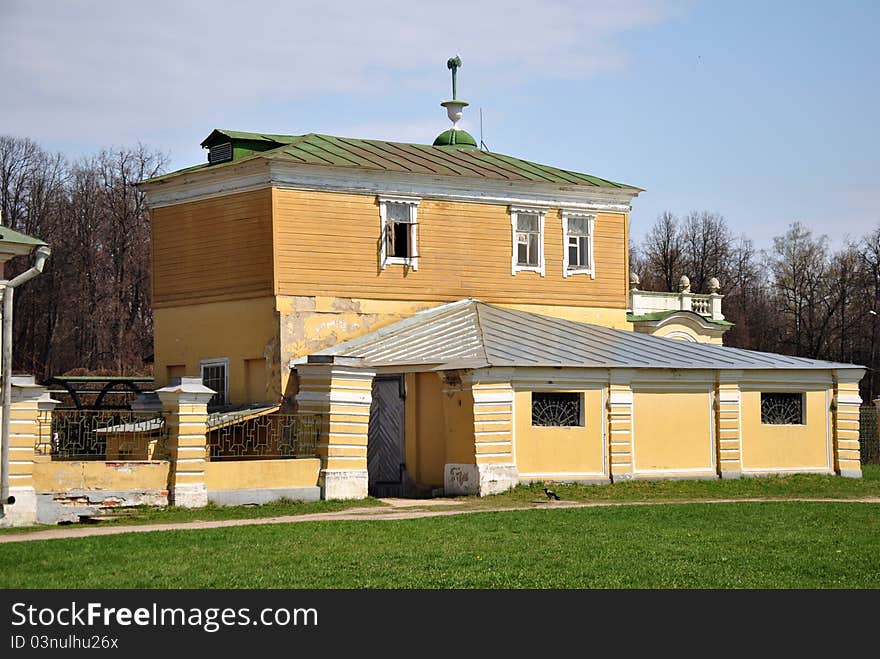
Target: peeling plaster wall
67,491
310,324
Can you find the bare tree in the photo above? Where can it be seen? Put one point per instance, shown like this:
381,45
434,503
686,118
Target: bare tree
661,256
706,248
90,310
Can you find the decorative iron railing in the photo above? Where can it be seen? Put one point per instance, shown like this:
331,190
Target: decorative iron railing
109,435
269,436
869,439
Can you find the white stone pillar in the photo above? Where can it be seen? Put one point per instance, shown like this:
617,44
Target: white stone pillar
186,411
342,396
620,425
847,401
25,404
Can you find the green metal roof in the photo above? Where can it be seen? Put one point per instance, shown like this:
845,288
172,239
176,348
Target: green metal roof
380,155
453,137
660,315
8,235
221,134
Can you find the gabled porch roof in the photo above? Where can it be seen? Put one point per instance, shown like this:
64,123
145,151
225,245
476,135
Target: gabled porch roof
472,334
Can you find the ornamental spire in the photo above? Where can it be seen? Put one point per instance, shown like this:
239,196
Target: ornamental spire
455,136
453,64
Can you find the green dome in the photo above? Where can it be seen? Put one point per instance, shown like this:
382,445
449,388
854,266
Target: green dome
453,137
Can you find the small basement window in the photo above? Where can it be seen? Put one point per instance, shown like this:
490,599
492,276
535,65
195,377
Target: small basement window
557,409
782,408
399,242
214,376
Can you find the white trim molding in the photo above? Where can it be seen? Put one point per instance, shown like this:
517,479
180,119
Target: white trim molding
264,173
412,204
515,266
567,270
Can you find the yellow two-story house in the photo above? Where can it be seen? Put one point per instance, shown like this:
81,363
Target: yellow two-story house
459,318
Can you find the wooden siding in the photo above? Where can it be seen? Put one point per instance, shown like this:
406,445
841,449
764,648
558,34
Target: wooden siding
327,244
212,250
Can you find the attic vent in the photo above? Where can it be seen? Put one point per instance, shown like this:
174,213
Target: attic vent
220,153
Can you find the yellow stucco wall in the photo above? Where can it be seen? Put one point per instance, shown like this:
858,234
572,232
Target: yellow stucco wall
88,475
458,416
426,450
608,317
672,432
240,330
254,474
768,447
570,452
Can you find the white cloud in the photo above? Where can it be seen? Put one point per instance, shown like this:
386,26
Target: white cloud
118,71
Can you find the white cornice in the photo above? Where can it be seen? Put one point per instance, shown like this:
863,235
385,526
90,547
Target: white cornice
256,174
208,183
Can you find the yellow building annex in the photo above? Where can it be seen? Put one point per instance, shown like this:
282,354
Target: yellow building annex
459,321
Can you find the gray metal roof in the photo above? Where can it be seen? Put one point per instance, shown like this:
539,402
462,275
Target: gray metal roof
473,334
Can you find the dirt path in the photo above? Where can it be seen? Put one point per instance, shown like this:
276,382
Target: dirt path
395,509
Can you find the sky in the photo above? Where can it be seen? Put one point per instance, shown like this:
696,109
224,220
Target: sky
764,112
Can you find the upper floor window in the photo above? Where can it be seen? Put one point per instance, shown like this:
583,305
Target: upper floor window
577,231
399,238
528,240
214,374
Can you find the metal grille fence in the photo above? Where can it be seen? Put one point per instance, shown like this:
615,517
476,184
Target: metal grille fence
868,437
109,435
267,437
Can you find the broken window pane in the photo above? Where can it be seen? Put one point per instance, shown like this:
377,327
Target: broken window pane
398,212
398,240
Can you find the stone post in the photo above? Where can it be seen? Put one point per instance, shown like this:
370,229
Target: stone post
847,455
342,396
185,405
728,427
620,425
28,398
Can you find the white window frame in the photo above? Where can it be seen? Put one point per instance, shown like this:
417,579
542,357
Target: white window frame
224,362
591,219
413,204
514,215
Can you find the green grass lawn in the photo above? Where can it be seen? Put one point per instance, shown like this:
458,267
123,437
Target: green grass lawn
785,487
748,545
172,514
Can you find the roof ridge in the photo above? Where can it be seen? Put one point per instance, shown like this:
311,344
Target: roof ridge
478,305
